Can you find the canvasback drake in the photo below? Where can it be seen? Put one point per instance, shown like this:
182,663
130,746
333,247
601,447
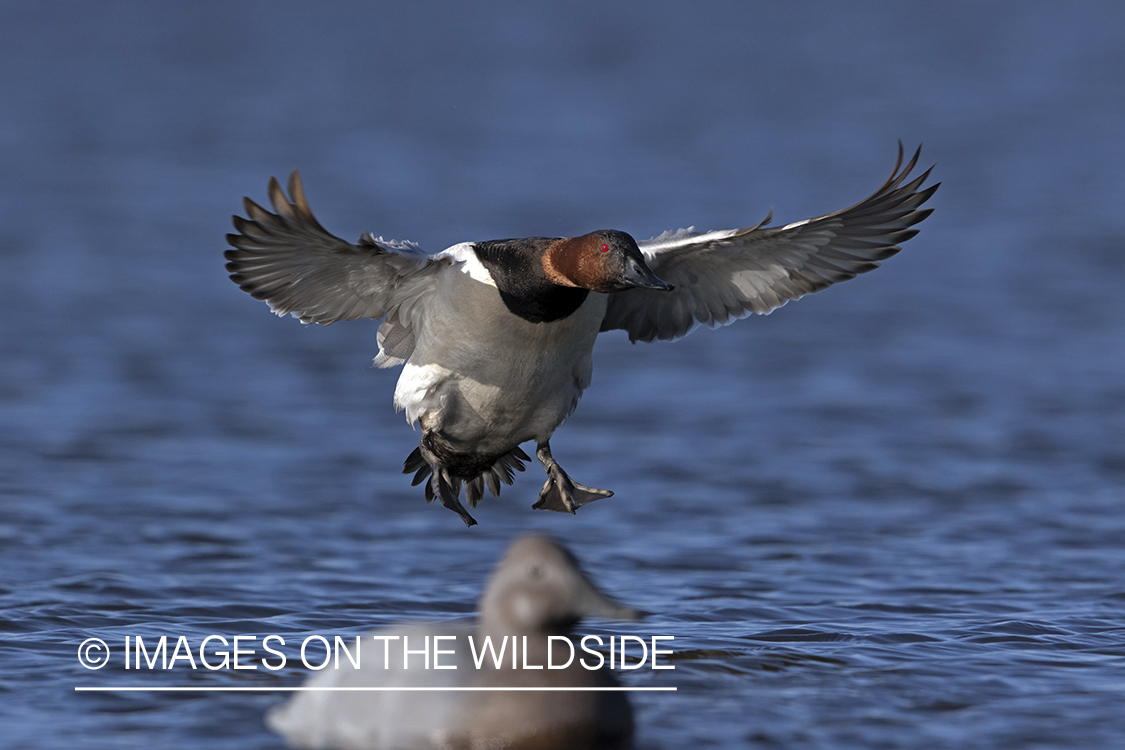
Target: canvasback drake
496,337
533,600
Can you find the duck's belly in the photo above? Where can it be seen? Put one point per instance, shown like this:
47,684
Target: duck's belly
487,380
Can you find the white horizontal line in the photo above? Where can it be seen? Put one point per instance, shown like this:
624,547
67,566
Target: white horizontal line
257,689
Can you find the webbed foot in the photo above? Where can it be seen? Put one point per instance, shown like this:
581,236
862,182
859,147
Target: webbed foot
561,493
444,471
441,485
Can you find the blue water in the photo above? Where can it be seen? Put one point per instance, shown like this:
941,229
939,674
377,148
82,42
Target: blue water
891,515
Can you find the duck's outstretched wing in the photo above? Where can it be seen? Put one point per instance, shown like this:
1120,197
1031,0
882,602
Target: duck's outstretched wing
725,275
296,266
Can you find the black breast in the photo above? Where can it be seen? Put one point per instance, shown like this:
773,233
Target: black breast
517,268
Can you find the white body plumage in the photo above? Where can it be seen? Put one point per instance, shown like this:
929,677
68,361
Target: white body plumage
488,380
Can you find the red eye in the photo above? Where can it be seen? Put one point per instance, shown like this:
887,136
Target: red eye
605,248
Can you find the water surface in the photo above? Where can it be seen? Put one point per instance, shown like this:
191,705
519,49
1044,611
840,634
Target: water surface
887,516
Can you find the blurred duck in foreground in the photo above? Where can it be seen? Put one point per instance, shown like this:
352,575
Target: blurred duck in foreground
536,591
497,337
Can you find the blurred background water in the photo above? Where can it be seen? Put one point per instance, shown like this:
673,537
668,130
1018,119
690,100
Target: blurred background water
887,516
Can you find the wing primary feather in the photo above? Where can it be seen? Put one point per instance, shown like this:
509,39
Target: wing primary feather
726,274
297,193
290,261
281,204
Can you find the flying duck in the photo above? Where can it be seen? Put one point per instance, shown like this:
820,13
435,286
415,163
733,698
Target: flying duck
496,337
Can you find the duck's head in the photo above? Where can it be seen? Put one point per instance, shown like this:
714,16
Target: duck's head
603,261
538,587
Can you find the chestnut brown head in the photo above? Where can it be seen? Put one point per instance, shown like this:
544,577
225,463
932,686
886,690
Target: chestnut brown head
603,261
